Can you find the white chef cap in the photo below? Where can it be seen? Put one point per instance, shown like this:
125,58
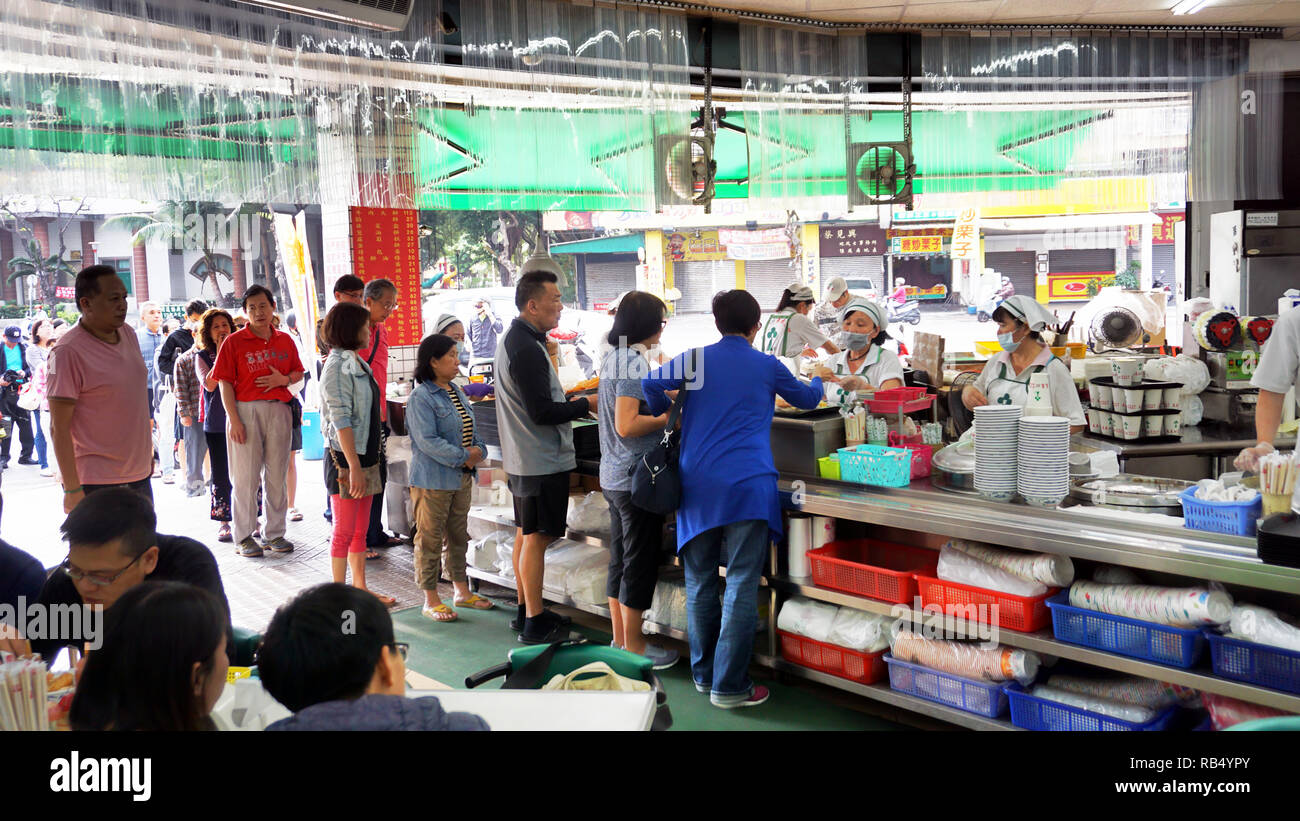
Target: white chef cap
1029,311
872,309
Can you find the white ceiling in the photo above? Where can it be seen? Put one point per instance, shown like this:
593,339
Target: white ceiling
1273,13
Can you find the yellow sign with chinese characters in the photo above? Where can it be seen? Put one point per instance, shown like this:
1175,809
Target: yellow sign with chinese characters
966,235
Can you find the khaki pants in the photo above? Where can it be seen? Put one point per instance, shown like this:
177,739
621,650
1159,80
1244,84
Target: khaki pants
263,460
439,514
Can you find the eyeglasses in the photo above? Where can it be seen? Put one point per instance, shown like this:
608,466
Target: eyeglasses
351,294
390,306
94,578
403,649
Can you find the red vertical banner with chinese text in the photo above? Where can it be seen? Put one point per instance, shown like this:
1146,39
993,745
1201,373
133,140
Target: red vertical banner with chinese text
386,245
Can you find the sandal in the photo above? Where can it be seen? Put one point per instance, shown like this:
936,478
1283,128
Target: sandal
475,602
372,554
386,601
439,613
295,515
223,534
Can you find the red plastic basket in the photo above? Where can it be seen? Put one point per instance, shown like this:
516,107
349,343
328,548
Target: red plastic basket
899,399
864,668
875,569
921,453
1020,613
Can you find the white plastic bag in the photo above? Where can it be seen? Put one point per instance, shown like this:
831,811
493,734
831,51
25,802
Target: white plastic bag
397,450
401,509
668,607
806,617
1191,372
1193,411
956,566
858,630
589,514
483,554
563,557
245,705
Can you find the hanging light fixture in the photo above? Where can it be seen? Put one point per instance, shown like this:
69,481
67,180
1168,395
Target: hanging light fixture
541,260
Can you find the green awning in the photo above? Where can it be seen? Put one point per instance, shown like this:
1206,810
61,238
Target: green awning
621,244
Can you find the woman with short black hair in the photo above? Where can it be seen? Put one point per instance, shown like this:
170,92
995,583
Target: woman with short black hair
162,665
626,434
445,448
350,423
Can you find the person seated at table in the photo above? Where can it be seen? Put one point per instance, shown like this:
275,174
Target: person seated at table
863,365
329,655
113,545
1005,378
162,665
21,575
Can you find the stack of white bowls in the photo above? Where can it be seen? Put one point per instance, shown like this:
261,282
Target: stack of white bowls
996,433
1043,460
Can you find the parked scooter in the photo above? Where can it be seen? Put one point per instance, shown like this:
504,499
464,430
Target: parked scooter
985,311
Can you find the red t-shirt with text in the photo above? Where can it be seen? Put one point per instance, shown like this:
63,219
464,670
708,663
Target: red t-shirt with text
245,356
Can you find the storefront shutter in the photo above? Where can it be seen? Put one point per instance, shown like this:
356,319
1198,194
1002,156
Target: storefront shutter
607,278
1018,266
857,271
1162,266
1081,261
699,281
767,278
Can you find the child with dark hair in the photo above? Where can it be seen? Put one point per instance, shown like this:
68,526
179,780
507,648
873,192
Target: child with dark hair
162,665
330,656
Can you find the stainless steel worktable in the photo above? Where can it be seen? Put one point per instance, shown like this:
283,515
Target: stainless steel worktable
1203,451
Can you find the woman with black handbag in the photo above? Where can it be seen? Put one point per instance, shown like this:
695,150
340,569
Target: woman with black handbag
626,433
350,422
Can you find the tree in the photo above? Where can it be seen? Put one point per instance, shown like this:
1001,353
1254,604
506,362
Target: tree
503,239
190,224
45,269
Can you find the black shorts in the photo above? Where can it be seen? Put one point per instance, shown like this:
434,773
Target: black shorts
542,503
636,540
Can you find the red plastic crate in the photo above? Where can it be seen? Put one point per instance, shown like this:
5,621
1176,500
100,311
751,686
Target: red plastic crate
921,453
899,399
864,668
1020,613
875,569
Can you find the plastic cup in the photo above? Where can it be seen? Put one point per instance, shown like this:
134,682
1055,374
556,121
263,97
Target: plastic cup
1152,399
1108,423
1100,395
1126,370
1132,427
1153,425
1094,420
1173,424
1133,399
1173,399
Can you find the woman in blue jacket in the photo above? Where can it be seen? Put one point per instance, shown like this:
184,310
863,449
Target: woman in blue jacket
444,450
729,507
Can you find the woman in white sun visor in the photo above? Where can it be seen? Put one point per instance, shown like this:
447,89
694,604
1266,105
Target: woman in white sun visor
1005,378
863,365
1278,371
789,332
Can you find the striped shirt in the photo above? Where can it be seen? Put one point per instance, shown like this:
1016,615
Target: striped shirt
466,424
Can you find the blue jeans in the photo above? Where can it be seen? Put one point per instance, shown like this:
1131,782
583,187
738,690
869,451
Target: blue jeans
722,635
40,440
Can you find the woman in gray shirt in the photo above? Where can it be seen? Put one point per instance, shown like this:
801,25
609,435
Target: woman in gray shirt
626,432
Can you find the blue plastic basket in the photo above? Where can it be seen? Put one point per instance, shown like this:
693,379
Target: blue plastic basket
1180,647
1235,518
878,465
1272,667
1032,713
979,697
313,443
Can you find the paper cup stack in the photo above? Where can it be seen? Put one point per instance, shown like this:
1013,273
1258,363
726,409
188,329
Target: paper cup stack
995,451
1043,460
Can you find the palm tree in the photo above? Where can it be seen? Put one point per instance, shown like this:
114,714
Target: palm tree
182,225
46,270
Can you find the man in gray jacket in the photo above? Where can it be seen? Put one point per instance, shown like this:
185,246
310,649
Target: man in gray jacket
534,420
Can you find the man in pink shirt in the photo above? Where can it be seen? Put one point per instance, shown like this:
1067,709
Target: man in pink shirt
98,389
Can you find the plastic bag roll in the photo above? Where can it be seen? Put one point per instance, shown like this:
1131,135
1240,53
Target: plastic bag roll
805,617
1054,571
798,541
1141,692
1093,704
1174,606
1263,626
966,659
956,566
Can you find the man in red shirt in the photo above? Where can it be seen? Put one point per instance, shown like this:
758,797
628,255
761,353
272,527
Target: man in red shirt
255,367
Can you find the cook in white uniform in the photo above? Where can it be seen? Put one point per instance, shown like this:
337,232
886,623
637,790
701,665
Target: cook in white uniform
1278,371
1005,378
789,332
863,365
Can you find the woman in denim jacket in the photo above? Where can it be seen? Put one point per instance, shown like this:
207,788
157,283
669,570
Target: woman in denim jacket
350,423
444,450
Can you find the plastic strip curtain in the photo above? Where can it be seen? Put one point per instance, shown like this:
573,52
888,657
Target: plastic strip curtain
1091,120
566,105
793,100
215,101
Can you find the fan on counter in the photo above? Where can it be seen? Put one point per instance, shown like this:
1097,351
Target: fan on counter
962,417
1116,328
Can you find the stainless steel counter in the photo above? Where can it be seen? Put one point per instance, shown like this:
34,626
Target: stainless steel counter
1149,546
1204,451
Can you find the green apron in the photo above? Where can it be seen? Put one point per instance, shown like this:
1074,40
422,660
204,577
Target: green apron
1010,390
776,332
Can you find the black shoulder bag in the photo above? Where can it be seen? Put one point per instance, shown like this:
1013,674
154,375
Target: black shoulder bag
656,476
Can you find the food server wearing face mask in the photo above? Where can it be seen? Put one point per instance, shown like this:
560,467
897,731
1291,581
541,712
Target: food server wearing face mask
863,365
1005,378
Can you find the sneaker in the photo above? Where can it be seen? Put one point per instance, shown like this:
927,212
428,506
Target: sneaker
516,623
703,688
47,471
661,658
295,515
26,460
615,645
280,545
223,534
756,696
548,633
169,479
194,491
250,548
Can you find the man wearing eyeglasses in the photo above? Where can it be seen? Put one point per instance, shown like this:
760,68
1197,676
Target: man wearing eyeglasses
113,546
380,298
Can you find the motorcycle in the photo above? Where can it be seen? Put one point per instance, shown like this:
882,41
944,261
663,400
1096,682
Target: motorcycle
985,311
909,312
